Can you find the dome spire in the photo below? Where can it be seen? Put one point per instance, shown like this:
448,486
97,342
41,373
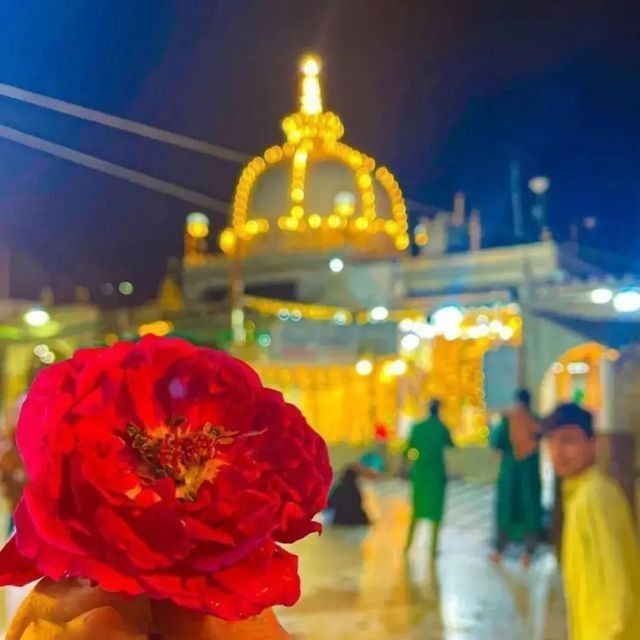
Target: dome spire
310,90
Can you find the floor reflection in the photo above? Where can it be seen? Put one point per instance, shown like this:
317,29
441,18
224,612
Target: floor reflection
359,585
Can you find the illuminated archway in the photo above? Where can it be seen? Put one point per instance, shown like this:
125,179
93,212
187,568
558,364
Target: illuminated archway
575,376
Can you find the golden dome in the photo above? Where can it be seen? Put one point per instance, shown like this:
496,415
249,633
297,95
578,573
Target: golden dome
314,192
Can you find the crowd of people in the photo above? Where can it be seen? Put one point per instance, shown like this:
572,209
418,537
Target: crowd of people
598,548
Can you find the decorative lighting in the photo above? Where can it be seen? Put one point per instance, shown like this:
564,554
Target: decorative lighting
228,241
296,315
336,265
410,342
314,134
421,235
557,368
197,225
283,314
483,331
447,318
125,288
398,367
405,325
474,332
311,98
627,301
310,65
452,333
601,295
506,333
315,221
36,318
344,203
577,368
364,367
41,350
157,328
48,358
425,330
341,317
264,340
379,314
539,185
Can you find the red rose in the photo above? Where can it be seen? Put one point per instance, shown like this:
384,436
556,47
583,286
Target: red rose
164,469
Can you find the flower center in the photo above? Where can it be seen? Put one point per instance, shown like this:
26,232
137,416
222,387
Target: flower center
188,456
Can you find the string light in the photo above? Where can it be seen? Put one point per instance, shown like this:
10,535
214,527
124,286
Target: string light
364,367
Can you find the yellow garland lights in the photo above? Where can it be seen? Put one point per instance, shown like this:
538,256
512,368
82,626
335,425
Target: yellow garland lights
313,134
504,323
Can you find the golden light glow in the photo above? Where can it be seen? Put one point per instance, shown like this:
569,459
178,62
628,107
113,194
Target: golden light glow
341,399
198,230
361,224
198,225
421,235
312,136
315,221
364,181
311,95
158,328
310,65
252,227
228,241
402,242
364,367
334,221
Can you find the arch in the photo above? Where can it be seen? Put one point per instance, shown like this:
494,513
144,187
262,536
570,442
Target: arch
544,343
575,375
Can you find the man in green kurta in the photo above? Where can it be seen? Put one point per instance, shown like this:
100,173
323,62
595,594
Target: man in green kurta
519,506
425,450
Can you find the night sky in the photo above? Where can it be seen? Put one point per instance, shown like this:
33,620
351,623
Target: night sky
444,93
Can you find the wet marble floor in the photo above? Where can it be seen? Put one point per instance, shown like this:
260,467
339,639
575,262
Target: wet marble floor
358,584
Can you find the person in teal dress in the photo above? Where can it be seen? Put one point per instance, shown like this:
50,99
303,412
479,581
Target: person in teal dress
425,451
519,488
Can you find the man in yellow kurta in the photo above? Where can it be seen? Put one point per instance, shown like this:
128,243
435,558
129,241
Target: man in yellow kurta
600,554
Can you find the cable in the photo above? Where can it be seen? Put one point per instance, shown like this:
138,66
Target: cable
130,126
135,177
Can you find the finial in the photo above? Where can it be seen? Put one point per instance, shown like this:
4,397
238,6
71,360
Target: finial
311,94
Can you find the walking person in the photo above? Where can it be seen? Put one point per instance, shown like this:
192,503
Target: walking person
600,555
519,487
428,475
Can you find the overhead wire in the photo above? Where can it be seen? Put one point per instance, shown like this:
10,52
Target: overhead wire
123,124
112,169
